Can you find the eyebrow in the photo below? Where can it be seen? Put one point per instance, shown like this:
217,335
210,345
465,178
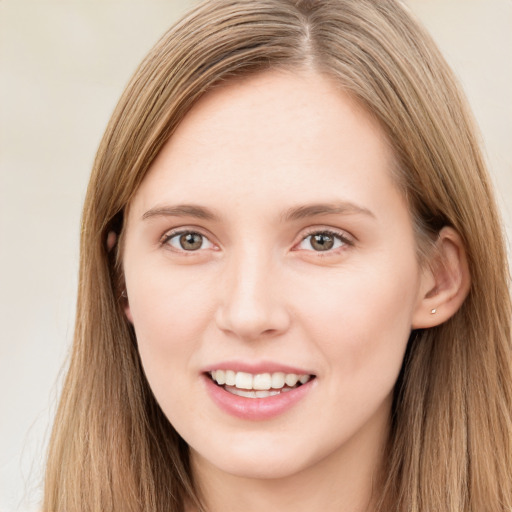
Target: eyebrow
292,214
314,210
181,210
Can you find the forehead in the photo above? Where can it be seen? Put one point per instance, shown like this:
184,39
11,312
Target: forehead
277,135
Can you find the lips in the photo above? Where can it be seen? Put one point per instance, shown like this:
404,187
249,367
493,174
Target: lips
257,394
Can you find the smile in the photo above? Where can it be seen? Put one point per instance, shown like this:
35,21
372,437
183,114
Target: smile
261,385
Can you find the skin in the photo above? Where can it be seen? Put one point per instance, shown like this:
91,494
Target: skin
257,290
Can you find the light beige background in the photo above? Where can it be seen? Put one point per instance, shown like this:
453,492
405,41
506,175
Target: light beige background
63,64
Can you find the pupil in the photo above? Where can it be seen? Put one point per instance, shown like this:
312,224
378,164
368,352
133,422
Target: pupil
191,241
322,242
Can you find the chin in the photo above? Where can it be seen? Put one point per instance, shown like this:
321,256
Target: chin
259,468
267,460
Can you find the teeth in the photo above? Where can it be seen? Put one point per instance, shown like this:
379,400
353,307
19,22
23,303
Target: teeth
243,380
252,394
291,379
220,377
264,394
260,383
230,377
278,380
242,392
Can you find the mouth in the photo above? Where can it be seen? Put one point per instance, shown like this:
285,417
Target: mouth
261,385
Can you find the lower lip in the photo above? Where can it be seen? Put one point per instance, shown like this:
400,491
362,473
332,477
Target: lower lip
256,409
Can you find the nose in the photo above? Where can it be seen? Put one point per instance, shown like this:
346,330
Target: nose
252,301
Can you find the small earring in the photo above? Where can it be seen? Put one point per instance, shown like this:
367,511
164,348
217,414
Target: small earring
124,294
434,311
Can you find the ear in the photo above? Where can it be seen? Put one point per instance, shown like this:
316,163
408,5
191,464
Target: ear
111,240
445,282
126,305
128,311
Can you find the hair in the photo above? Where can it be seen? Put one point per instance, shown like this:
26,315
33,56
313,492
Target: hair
450,446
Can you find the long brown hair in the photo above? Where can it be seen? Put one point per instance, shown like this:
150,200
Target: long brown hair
450,447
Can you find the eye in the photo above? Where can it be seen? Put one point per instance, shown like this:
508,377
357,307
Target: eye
187,241
322,241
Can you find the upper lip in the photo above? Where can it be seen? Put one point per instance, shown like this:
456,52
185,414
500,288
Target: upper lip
255,368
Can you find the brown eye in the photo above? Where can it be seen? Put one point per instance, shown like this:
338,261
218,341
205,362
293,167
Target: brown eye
191,241
188,241
323,241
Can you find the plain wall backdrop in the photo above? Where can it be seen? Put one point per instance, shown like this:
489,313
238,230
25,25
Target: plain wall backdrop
63,65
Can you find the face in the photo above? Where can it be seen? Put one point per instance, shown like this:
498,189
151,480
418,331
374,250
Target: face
272,277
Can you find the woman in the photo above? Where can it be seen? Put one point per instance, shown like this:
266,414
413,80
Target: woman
293,285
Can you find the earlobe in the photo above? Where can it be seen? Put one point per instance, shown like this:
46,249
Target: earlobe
445,283
128,314
111,240
127,310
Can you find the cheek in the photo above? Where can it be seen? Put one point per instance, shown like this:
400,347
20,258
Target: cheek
170,313
170,310
361,319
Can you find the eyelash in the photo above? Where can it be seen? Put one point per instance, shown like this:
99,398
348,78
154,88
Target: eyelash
340,236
